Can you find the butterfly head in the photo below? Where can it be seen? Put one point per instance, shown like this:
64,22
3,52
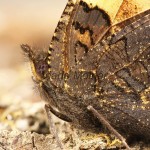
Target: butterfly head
38,62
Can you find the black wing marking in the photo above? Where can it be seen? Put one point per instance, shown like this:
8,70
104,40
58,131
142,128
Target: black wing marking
80,26
87,25
92,60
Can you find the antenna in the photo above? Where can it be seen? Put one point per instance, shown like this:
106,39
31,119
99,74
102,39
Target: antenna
28,51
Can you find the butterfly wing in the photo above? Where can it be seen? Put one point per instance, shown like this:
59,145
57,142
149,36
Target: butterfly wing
82,24
77,31
126,48
124,76
87,25
72,43
115,51
57,47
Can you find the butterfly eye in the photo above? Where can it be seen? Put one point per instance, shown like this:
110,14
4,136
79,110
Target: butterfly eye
41,68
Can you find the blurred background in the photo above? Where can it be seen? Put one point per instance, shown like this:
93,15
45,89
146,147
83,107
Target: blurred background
23,21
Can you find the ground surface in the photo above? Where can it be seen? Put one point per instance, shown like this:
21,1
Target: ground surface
25,127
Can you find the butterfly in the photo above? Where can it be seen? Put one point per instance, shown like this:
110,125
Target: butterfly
92,61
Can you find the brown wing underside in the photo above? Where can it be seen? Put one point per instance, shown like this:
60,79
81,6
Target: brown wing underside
118,64
124,76
58,45
115,71
87,26
127,58
78,30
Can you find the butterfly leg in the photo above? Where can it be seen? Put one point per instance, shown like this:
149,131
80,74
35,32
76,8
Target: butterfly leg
52,127
49,109
58,114
103,120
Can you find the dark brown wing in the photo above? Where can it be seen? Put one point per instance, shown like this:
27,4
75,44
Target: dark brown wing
82,24
58,45
87,26
124,76
128,49
116,51
127,27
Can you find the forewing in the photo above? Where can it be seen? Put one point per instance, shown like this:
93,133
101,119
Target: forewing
80,26
58,45
86,26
